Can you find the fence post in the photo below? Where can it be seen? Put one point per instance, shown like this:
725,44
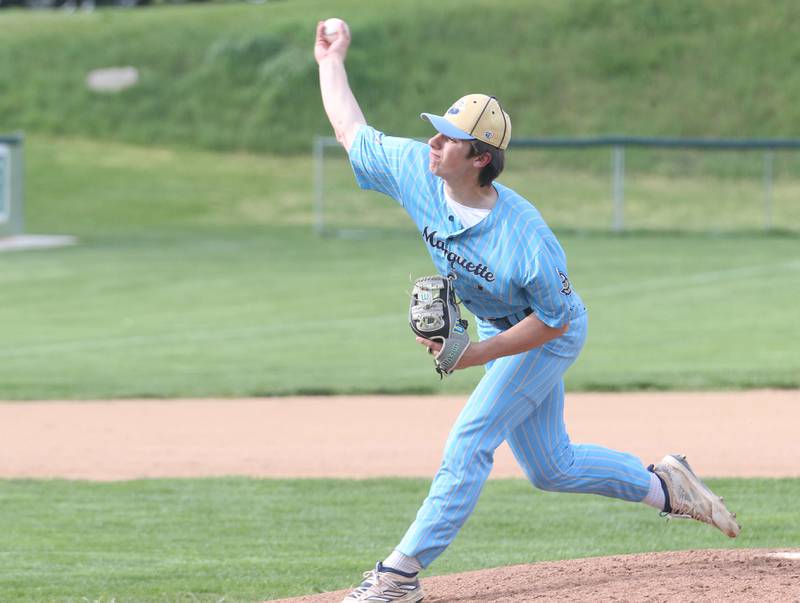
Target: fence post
12,182
768,159
619,188
319,210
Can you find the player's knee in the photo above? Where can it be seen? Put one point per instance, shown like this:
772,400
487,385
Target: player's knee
468,451
547,482
554,475
457,460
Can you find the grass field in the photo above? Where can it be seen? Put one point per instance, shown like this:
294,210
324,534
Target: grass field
197,275
248,540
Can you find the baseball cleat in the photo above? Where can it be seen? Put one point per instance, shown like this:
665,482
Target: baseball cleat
382,585
689,497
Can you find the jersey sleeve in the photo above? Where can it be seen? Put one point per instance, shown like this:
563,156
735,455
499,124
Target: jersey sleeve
548,286
385,163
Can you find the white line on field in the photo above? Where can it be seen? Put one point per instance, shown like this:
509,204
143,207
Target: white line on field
794,555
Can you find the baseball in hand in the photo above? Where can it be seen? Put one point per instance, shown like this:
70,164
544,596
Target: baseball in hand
331,29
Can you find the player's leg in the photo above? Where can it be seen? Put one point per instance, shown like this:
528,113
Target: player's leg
499,403
496,405
502,400
542,447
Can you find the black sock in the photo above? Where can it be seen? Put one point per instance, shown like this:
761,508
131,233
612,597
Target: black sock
394,570
667,505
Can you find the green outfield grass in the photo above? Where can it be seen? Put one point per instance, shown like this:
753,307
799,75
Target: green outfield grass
197,274
241,539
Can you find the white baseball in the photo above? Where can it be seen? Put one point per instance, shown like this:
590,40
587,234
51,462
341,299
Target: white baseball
331,29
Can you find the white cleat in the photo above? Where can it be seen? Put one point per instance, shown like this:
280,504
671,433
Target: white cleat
690,497
383,586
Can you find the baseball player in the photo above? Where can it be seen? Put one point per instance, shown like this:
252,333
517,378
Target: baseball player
510,271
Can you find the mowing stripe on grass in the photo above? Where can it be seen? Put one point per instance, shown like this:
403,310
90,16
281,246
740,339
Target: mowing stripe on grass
191,334
691,280
209,333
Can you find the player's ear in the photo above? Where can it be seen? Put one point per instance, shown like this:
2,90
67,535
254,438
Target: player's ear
482,160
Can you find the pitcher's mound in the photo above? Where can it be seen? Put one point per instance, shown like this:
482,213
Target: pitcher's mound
715,575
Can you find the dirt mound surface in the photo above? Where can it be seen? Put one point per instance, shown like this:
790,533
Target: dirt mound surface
707,575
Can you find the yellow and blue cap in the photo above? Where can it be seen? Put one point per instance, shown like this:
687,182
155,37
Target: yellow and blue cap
474,117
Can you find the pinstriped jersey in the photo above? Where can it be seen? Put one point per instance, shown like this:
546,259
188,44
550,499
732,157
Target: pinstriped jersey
507,263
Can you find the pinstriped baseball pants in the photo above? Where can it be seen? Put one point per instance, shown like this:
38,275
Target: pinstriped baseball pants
520,400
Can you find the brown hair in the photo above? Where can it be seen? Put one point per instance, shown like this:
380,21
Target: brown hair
492,169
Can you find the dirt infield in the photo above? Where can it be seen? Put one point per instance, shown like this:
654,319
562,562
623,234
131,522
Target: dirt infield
744,434
723,434
730,575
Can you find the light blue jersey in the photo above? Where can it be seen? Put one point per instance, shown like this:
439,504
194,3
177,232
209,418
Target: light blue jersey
508,266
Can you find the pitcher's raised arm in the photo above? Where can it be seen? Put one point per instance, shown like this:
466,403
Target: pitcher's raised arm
340,104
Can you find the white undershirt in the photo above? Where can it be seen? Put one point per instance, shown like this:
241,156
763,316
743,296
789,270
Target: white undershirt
468,216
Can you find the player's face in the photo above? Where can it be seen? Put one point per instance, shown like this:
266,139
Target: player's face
448,158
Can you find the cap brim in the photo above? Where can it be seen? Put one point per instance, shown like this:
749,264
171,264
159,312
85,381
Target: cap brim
445,127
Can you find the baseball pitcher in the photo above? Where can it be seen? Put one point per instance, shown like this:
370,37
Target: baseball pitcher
492,251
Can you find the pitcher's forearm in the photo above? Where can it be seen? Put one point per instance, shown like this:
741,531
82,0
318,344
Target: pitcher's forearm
340,104
528,334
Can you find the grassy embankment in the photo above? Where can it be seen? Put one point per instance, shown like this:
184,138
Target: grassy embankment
231,76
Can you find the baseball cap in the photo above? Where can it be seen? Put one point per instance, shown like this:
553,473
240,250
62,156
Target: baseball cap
474,117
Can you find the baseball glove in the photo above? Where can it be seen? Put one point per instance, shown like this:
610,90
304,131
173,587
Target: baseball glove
434,314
